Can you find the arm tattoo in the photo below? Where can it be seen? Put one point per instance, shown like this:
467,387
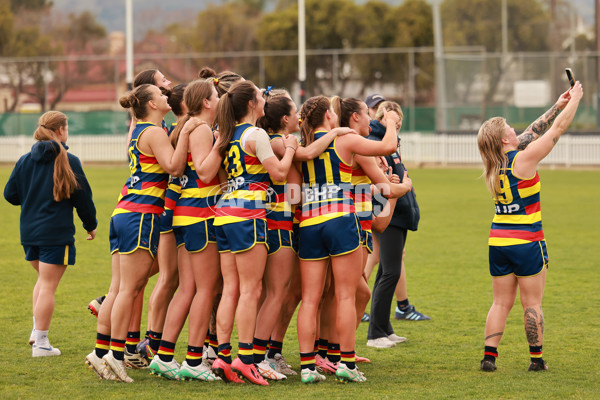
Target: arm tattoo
494,335
531,326
555,140
538,127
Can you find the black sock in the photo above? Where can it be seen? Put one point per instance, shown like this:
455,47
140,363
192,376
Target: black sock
404,304
490,353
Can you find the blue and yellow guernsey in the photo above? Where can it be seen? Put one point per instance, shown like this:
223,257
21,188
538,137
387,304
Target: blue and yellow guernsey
362,197
518,218
280,213
326,187
174,188
144,191
197,200
247,183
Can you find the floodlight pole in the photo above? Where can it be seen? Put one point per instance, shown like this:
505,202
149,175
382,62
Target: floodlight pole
129,44
440,70
302,49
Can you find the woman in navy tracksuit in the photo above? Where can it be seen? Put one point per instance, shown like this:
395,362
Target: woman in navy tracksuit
48,183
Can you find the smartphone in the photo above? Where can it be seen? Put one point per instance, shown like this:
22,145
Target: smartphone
570,76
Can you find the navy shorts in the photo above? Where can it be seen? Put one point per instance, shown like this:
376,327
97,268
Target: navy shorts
166,221
132,231
334,237
280,238
521,259
241,236
366,238
195,237
57,255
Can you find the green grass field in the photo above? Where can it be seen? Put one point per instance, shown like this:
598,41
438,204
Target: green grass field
448,279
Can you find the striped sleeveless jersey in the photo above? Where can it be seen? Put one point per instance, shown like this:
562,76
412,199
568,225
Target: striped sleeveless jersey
198,199
248,181
144,190
326,187
518,218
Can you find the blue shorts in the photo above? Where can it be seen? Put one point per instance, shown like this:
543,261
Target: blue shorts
335,237
132,231
166,221
522,259
57,255
280,238
195,237
366,238
241,236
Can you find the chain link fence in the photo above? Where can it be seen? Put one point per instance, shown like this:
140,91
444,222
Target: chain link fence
519,86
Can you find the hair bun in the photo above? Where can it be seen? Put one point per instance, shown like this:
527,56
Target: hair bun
206,72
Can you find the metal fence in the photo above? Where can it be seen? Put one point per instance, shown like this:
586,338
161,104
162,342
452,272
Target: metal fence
417,148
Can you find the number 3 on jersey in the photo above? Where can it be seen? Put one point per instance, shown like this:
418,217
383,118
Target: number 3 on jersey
233,159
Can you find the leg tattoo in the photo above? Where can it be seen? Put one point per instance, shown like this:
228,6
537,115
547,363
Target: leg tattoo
531,326
494,335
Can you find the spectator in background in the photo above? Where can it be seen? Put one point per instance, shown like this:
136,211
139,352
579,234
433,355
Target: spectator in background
391,245
48,183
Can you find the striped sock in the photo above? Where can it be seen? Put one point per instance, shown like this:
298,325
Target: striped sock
348,358
275,348
225,352
323,343
333,352
535,352
307,360
117,347
259,348
490,353
246,352
154,340
133,338
214,344
316,346
207,339
102,344
193,358
166,350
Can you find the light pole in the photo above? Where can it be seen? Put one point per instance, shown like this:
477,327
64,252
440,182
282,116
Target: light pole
302,49
440,70
129,44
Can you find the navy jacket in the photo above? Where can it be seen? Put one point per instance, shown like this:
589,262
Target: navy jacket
406,213
45,222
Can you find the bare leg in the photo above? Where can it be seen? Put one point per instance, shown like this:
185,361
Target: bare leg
207,274
229,298
180,305
48,279
313,275
278,274
251,267
134,271
505,291
167,283
532,292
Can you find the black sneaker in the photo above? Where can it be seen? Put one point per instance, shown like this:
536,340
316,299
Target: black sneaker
410,314
538,366
365,318
488,366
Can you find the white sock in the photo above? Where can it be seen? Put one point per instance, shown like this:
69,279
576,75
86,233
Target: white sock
41,339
